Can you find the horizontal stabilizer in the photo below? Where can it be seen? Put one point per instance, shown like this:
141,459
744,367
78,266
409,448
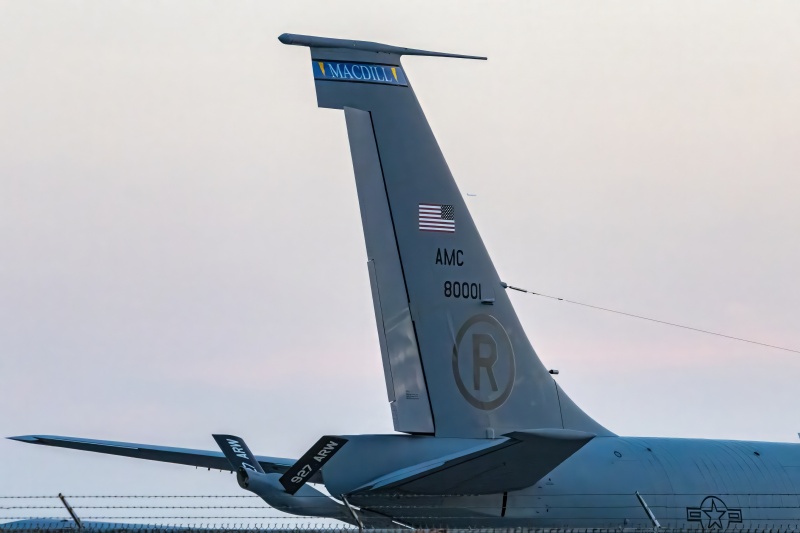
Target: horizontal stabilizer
519,460
165,454
365,46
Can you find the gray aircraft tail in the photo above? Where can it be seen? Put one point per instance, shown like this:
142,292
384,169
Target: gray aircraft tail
456,360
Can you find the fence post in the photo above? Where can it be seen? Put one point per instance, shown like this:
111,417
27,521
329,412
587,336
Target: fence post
353,512
70,511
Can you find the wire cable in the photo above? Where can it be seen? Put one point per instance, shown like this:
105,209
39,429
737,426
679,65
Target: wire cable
597,307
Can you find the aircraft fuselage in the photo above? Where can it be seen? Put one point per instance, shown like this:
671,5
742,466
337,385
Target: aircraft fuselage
710,485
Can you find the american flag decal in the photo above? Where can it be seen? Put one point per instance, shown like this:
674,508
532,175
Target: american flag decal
435,217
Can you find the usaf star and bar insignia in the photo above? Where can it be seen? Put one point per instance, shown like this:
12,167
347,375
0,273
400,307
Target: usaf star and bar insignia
713,515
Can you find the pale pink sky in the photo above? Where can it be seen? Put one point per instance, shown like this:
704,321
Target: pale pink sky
181,243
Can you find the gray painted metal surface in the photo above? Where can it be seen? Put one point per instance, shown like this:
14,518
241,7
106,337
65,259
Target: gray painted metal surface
166,454
482,374
492,441
405,379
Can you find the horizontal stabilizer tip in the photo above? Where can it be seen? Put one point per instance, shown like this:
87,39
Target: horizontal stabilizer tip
24,438
365,46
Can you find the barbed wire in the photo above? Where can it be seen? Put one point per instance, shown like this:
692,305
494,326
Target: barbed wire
404,508
371,507
316,527
161,517
552,514
133,496
261,526
406,495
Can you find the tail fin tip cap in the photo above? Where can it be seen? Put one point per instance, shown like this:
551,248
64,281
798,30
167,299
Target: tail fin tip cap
312,41
25,438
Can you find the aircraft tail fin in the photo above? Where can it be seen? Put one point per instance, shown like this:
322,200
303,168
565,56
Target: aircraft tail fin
456,360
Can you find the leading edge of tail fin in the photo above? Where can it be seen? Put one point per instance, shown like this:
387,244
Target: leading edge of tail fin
457,362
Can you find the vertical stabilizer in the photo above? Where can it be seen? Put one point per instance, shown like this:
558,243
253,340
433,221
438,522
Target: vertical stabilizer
456,360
